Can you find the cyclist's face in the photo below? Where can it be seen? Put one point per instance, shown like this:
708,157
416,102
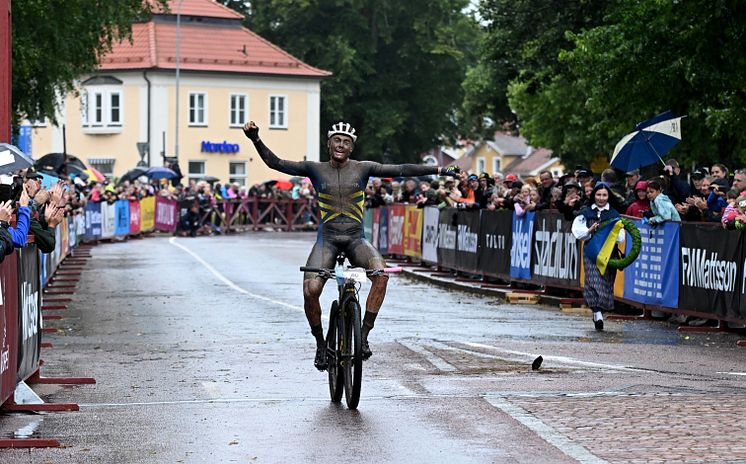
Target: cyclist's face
340,147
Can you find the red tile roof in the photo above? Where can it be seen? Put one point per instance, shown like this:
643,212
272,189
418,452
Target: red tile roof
204,8
222,47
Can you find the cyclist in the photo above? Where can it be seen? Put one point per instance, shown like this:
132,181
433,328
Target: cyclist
340,189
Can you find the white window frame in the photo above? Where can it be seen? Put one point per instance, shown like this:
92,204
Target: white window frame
283,112
496,165
481,165
240,178
96,116
196,122
241,114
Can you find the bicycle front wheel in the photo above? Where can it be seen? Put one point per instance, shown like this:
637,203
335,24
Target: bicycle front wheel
352,356
336,379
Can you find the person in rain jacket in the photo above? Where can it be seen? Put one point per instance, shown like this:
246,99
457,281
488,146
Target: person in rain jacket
660,205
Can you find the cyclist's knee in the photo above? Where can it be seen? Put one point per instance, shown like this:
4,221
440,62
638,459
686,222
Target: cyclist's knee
380,280
312,289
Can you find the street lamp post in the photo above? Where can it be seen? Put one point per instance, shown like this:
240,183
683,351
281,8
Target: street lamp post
178,62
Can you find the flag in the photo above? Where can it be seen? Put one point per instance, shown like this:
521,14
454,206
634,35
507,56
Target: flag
600,246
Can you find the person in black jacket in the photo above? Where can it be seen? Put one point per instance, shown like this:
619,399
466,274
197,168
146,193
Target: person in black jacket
678,189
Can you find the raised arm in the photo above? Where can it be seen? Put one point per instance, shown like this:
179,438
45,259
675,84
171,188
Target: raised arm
294,168
406,170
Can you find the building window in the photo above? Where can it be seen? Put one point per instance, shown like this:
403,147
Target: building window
196,170
101,105
239,109
103,165
237,172
115,113
278,112
481,163
98,109
496,165
197,109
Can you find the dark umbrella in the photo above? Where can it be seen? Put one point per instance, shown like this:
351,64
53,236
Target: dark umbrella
55,162
133,174
13,159
159,172
210,179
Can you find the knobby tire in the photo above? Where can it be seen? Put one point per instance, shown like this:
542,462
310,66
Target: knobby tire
352,357
333,335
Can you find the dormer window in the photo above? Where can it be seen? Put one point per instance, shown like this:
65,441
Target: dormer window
101,105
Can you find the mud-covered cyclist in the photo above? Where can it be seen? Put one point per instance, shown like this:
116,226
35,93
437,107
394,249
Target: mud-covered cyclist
340,190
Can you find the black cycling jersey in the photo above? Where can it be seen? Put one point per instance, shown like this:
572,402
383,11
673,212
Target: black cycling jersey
341,194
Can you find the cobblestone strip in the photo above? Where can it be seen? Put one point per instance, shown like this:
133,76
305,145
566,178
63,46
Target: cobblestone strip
546,432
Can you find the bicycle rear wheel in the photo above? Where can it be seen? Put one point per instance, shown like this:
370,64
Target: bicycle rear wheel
336,379
352,356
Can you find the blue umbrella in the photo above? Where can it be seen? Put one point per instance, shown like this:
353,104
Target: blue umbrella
159,172
649,141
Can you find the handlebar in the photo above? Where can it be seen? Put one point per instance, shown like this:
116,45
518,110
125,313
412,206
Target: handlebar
330,273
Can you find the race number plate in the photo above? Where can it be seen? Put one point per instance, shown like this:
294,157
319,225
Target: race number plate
356,274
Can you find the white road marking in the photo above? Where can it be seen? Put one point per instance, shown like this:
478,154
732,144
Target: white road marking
546,432
439,363
556,359
732,373
228,282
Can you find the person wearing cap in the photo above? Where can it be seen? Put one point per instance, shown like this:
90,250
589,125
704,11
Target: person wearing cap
571,201
340,189
43,217
631,179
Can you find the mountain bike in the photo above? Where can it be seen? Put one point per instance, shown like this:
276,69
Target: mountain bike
344,338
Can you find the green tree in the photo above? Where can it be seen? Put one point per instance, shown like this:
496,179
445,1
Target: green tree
397,66
56,41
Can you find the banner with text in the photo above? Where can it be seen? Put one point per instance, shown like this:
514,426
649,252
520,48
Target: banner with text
166,214
555,260
467,241
495,229
147,214
430,234
375,227
413,231
383,231
108,219
8,326
711,270
134,217
447,232
396,229
653,278
520,247
93,220
122,222
29,312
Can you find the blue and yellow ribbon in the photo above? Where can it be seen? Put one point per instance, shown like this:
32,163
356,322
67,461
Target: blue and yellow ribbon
601,245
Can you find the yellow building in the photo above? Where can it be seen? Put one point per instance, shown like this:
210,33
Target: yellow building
510,154
127,111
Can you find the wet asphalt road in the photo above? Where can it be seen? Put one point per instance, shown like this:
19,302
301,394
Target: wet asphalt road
202,353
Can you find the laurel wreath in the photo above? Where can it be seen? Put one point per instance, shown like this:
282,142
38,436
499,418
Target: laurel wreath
634,233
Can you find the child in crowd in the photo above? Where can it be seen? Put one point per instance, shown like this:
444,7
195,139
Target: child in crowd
660,205
641,205
523,202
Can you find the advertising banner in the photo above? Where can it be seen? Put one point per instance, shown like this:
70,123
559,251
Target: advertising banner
375,226
383,230
467,241
430,217
495,229
134,217
147,214
654,276
520,247
413,231
108,219
64,242
8,326
556,253
122,221
447,234
396,230
166,214
93,220
72,233
29,312
711,270
80,227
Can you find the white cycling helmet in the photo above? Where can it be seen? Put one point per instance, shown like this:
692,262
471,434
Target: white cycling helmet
343,128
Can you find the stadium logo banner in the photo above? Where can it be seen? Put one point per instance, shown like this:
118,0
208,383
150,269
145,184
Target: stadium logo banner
447,233
653,278
467,241
520,249
556,252
495,233
711,270
430,234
